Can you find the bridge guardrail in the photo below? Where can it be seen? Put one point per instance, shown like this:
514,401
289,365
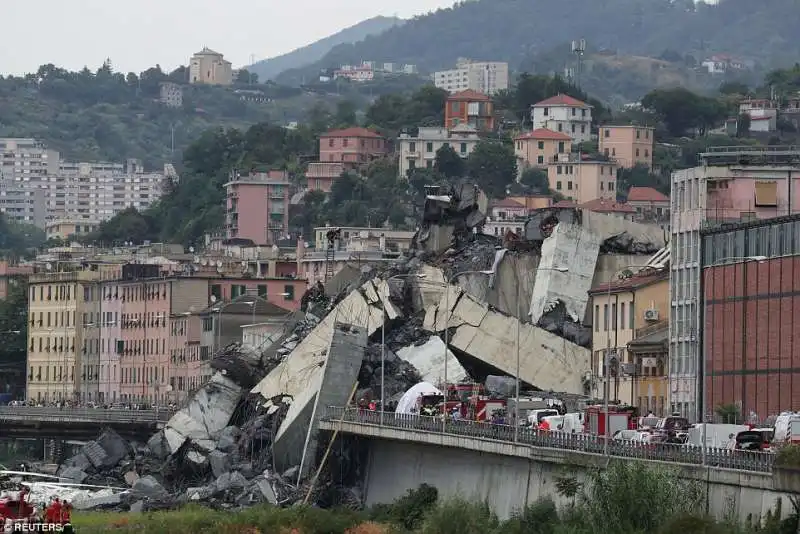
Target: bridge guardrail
589,443
100,415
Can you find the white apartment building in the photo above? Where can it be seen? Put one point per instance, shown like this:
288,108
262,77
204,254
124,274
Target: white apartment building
725,188
487,77
562,113
37,187
420,150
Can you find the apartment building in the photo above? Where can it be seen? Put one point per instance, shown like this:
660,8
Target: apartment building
486,77
732,184
650,204
582,180
628,145
11,274
320,176
26,160
57,303
564,114
539,148
22,204
419,151
621,313
471,108
210,68
171,95
257,207
352,146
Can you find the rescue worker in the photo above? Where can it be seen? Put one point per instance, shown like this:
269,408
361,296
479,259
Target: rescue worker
66,513
372,406
544,425
53,514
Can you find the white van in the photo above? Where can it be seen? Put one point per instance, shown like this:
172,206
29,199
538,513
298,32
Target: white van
718,436
787,428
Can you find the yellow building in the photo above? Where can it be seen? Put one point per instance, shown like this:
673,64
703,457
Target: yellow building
56,304
633,309
210,68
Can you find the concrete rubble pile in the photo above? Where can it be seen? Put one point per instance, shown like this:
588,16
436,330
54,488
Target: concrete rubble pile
251,433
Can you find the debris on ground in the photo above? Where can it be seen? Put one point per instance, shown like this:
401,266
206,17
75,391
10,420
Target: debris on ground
249,435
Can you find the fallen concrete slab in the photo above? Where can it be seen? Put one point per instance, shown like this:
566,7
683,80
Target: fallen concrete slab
207,413
429,359
299,375
546,361
339,375
572,247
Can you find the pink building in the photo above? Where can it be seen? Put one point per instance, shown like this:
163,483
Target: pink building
649,203
257,207
508,209
283,292
140,306
185,356
320,176
353,146
583,180
110,337
628,145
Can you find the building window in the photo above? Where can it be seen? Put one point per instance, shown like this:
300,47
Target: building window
540,144
237,290
289,292
646,153
428,147
330,142
262,291
610,186
605,317
412,147
546,112
637,152
573,127
540,160
638,134
602,171
622,315
597,318
463,148
559,169
569,186
344,142
607,133
216,291
429,164
614,316
560,127
631,317
558,185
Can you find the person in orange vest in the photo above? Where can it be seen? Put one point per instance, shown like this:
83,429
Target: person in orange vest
544,425
66,513
53,514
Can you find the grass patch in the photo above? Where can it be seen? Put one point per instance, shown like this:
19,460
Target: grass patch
264,519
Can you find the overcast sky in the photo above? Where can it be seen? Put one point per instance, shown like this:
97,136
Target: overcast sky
137,34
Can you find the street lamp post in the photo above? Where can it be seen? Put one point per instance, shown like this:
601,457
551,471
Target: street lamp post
718,263
449,281
519,326
383,339
623,273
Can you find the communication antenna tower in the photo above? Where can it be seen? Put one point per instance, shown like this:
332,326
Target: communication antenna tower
579,48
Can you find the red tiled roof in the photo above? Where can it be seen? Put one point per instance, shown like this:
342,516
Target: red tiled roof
507,203
544,133
646,194
604,205
640,279
565,204
352,132
469,94
562,100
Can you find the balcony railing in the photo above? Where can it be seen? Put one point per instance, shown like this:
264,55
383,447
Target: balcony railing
663,324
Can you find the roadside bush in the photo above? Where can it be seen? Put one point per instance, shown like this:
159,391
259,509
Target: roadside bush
788,456
631,497
460,516
409,510
540,517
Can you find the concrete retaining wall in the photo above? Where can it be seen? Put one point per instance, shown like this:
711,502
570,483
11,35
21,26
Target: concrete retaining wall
508,477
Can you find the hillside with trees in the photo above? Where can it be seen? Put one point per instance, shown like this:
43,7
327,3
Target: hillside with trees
267,69
515,31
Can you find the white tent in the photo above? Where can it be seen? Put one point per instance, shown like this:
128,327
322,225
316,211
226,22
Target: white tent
409,399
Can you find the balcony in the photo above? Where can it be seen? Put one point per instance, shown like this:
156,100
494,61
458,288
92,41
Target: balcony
652,328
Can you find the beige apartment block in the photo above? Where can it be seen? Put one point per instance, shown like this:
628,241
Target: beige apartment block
628,145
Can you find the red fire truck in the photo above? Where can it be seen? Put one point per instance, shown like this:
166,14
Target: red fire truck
619,418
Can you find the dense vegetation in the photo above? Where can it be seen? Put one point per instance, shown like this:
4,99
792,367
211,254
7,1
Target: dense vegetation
268,68
627,498
512,30
111,116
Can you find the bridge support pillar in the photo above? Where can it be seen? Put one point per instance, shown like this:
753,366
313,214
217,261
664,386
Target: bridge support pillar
54,451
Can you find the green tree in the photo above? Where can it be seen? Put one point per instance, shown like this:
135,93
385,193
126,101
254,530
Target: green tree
345,114
244,76
14,332
493,167
682,110
536,180
448,163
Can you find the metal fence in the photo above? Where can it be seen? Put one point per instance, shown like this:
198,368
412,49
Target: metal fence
99,415
586,443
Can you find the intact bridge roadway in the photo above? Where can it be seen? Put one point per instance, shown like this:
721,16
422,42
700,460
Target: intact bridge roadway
477,435
78,423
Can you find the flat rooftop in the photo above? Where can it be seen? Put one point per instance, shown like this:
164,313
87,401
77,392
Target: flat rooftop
750,155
